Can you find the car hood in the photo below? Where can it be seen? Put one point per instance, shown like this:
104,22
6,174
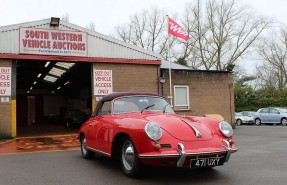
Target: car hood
185,129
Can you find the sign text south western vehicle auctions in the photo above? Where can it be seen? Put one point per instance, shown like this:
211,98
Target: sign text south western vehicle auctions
53,42
103,82
5,81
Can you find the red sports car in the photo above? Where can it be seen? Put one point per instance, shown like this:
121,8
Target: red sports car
142,129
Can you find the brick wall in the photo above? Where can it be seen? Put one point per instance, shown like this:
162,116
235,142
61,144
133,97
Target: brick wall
132,77
209,92
6,109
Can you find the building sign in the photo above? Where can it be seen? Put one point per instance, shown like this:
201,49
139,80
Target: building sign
103,82
5,81
52,42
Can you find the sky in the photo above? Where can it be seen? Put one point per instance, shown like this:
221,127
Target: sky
107,14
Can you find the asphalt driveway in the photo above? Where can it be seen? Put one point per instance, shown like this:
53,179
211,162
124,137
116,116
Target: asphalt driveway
261,159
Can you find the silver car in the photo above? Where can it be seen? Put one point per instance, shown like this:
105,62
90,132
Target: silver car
244,117
271,115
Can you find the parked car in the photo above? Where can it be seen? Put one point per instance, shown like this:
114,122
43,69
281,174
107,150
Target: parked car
142,129
271,115
75,118
244,117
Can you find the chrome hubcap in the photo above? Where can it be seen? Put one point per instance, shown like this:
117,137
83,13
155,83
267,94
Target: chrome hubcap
284,122
128,155
84,150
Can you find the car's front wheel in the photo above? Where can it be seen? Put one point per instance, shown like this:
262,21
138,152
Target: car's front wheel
87,154
284,121
238,122
130,163
257,121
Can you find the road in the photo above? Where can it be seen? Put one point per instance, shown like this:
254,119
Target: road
260,160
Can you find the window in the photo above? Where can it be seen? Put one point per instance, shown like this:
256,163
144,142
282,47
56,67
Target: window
140,103
181,97
264,111
274,111
105,109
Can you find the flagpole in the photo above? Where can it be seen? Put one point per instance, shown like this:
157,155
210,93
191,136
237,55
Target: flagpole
169,61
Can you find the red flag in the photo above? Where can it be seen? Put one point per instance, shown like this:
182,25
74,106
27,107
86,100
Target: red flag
176,30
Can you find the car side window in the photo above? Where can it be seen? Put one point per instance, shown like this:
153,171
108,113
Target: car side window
105,109
264,111
274,111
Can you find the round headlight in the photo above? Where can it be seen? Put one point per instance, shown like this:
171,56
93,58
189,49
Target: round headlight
226,129
153,131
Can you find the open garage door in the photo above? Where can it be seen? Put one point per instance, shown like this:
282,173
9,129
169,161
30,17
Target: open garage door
47,91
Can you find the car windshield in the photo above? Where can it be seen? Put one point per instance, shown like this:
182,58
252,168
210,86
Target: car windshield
238,114
140,104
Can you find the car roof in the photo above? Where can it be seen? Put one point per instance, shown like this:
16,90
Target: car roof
112,96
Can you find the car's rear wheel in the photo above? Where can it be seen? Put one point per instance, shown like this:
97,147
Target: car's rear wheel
238,122
87,154
284,121
257,121
130,163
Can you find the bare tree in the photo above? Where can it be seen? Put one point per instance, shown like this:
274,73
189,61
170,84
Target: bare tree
91,26
273,51
147,30
66,17
222,32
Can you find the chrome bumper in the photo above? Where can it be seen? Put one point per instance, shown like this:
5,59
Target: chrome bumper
183,154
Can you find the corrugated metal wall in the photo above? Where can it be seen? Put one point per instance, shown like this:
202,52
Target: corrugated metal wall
99,46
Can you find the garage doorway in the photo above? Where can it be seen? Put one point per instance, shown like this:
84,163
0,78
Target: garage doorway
46,91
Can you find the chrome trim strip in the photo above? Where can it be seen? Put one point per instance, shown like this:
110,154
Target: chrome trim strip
95,150
197,133
158,155
187,154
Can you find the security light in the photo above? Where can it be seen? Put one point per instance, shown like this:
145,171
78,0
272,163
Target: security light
55,21
161,80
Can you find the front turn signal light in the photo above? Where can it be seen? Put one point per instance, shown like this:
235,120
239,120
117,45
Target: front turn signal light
157,146
231,141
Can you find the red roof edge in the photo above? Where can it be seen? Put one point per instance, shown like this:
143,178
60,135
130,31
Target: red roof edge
81,59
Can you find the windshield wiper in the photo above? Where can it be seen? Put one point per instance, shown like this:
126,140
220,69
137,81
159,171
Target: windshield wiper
149,106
